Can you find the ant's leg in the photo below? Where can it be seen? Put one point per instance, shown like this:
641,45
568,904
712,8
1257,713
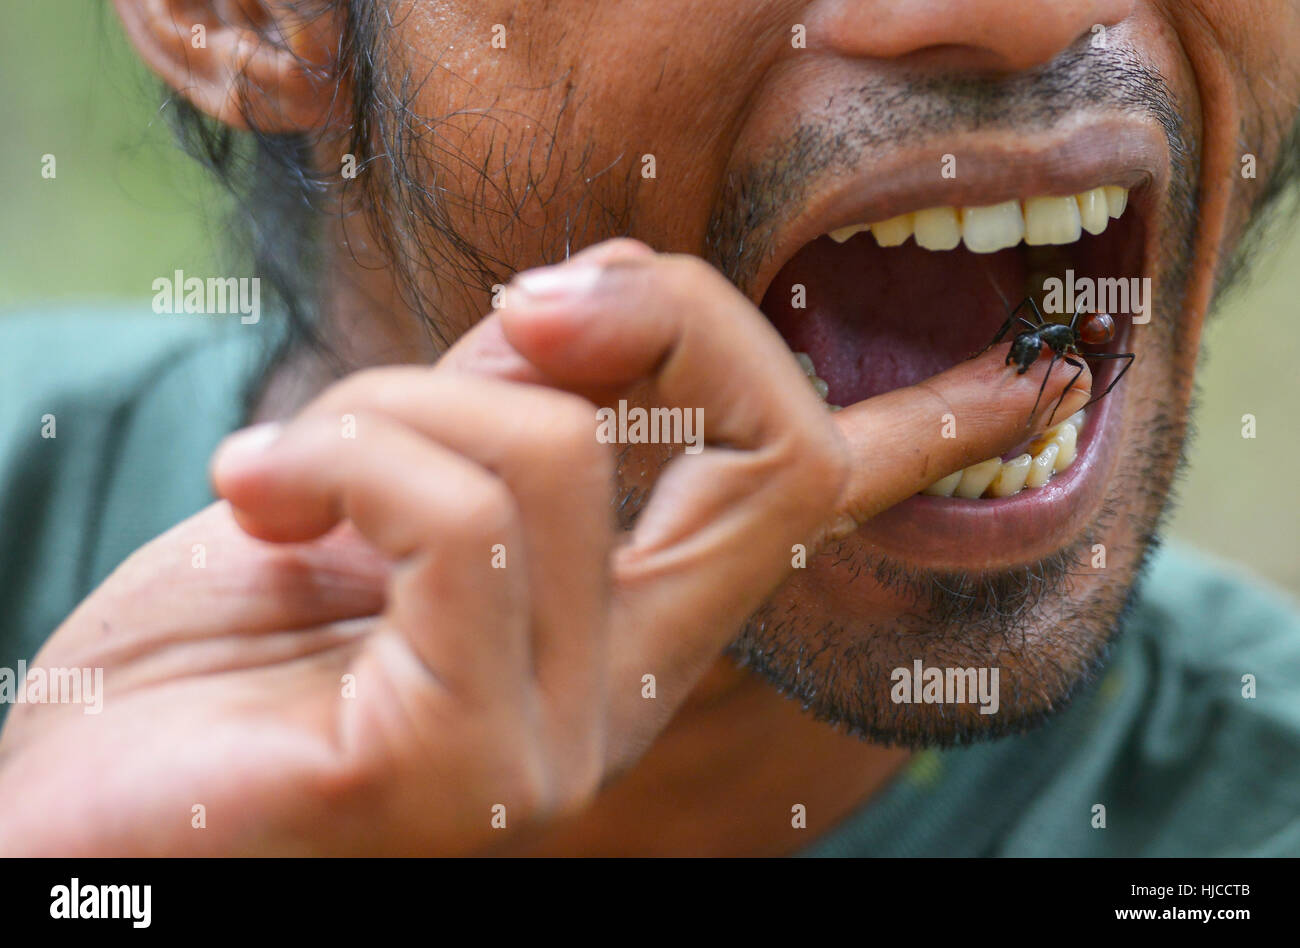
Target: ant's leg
1055,355
1115,381
1065,391
1001,334
1006,326
1037,322
996,339
1075,318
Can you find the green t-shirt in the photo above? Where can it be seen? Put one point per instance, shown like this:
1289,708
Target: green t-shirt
1183,763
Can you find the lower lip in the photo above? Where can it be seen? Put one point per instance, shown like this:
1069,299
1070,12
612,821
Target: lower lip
959,534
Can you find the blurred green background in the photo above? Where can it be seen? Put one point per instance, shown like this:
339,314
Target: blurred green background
127,206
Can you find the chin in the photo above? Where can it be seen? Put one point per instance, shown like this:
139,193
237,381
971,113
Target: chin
835,634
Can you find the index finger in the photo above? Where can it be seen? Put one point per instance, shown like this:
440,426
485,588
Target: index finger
901,442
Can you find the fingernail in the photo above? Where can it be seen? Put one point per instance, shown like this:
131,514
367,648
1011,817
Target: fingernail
246,445
557,282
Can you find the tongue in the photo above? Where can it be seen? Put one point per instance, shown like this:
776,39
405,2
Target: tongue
880,318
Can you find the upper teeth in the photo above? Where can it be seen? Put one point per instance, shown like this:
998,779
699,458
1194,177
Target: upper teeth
1035,220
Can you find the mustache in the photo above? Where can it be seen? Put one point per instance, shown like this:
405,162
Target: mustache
882,112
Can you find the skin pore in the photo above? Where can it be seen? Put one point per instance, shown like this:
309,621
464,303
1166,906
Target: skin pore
489,161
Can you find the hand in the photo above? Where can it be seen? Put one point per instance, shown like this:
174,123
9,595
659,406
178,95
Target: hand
356,670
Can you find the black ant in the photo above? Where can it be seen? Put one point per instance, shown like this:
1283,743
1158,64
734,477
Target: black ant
1063,341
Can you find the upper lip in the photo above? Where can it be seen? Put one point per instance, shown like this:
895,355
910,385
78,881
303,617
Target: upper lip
1078,154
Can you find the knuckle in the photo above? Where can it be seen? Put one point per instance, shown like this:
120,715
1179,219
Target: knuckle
362,381
617,247
553,795
577,796
576,431
828,469
488,509
532,784
379,385
570,418
818,464
694,274
563,430
586,779
828,462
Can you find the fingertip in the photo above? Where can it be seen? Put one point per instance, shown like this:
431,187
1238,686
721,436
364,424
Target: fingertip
485,350
241,474
544,337
241,452
580,325
253,525
261,519
1071,400
578,279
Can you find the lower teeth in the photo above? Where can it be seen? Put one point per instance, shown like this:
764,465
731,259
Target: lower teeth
818,383
1049,454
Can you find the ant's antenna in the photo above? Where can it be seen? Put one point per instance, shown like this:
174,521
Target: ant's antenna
996,289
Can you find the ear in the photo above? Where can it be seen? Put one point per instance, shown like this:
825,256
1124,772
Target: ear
247,63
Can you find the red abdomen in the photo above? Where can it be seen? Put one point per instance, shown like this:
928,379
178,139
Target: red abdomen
1097,329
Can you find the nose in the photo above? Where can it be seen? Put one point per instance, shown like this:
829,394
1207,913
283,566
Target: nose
978,35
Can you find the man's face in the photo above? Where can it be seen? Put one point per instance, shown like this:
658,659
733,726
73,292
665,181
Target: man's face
745,132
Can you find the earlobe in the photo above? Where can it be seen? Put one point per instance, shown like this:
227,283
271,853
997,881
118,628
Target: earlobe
248,63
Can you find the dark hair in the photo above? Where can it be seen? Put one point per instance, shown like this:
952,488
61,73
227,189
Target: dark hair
277,193
281,199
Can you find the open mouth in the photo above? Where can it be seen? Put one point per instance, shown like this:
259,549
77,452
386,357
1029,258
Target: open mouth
889,302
